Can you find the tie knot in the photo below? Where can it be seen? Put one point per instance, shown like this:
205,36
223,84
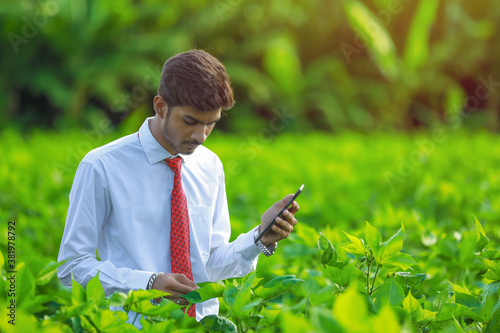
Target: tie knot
174,164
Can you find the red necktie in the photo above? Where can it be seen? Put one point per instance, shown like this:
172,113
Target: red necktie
179,227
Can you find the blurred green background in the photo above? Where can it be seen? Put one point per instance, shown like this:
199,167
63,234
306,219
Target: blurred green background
369,103
358,65
387,110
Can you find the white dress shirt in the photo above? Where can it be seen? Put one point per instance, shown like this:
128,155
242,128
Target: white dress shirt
119,204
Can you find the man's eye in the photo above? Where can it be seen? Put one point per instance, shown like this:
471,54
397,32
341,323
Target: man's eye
190,123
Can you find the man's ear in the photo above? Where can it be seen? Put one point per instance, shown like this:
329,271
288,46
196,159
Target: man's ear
160,106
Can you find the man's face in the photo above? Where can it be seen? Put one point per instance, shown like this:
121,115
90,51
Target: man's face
185,128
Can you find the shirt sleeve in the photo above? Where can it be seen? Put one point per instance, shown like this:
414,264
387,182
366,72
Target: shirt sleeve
234,259
89,208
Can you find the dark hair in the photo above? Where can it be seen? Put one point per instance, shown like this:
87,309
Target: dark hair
197,79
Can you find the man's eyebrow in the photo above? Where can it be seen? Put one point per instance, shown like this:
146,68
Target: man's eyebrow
198,121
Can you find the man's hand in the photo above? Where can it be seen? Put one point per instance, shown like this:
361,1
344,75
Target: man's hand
176,285
283,227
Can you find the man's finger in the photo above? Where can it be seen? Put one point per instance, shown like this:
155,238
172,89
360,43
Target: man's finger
295,207
284,224
282,233
174,284
187,282
183,285
282,227
289,217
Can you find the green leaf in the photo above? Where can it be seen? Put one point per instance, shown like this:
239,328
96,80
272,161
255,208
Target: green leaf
282,62
412,306
3,282
470,302
78,294
244,295
95,291
47,273
229,295
76,310
214,323
401,260
344,277
357,247
2,261
25,284
374,240
329,252
208,290
479,228
386,321
135,296
493,266
35,304
295,322
481,239
392,246
459,288
377,39
272,316
494,324
354,250
147,309
321,296
351,311
449,311
416,50
157,327
480,244
335,275
410,281
277,287
491,254
490,301
324,321
253,321
350,274
323,242
244,311
389,293
111,321
118,299
490,275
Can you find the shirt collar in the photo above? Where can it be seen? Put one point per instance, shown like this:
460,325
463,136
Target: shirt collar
152,148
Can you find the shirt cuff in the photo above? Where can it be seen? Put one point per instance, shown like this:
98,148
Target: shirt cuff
248,249
138,280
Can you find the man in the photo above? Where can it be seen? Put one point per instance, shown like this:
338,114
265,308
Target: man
155,201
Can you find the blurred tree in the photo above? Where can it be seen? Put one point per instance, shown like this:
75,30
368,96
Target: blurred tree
352,63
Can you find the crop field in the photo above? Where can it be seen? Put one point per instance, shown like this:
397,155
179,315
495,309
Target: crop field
396,233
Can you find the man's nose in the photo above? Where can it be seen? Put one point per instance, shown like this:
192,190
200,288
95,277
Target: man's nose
200,133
